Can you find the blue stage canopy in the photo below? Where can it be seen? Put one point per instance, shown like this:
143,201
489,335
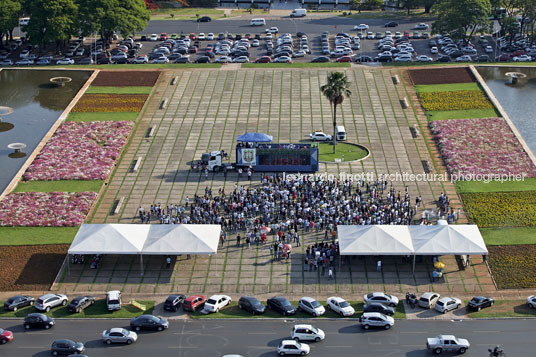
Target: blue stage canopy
255,138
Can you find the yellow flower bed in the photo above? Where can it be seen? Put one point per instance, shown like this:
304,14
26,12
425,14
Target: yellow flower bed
513,266
500,209
110,103
455,100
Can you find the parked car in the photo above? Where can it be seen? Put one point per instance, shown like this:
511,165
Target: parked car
119,335
113,300
154,37
344,59
6,62
446,304
375,319
160,60
42,62
362,59
464,58
291,347
149,322
283,59
251,304
183,59
421,26
37,320
320,59
264,59
361,27
378,307
448,343
311,306
307,333
194,302
24,62
479,302
174,302
522,58
16,302
65,61
320,136
223,59
391,24
66,347
340,306
531,301
424,58
241,59
49,301
202,59
204,19
281,305
383,298
5,336
79,303
140,60
216,302
428,300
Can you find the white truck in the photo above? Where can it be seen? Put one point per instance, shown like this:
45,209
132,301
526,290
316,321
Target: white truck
298,13
449,343
213,161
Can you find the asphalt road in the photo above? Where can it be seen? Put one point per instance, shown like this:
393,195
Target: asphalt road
207,338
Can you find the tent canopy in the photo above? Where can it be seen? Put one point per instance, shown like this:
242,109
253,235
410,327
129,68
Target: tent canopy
165,239
412,240
255,138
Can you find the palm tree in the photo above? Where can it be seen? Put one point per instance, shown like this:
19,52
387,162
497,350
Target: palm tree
335,90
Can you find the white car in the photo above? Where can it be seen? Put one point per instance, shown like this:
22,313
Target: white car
434,50
447,343
376,319
273,30
361,27
201,36
428,300
6,62
424,58
340,306
464,58
48,301
255,43
307,333
283,59
160,60
421,26
80,52
223,59
446,304
370,35
216,302
210,36
291,347
522,58
488,49
383,298
65,61
403,59
531,301
241,59
119,335
320,136
140,60
154,37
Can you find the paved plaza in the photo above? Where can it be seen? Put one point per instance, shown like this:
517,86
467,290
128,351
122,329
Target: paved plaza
206,111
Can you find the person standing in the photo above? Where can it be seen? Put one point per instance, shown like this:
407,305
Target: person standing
379,266
168,262
238,240
330,273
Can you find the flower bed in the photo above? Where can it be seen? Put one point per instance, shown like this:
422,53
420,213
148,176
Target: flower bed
455,100
54,209
441,75
80,151
110,103
500,209
513,267
486,146
126,78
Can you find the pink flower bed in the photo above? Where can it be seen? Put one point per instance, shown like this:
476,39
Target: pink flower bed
80,151
58,209
487,146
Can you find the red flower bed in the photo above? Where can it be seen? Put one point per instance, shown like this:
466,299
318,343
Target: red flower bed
126,78
441,75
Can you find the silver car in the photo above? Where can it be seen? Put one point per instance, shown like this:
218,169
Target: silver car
446,304
48,301
119,335
311,306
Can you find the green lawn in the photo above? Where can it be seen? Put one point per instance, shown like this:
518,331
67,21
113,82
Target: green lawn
424,88
36,235
233,312
350,152
189,13
98,310
115,116
528,184
505,308
295,65
119,90
461,114
509,235
59,186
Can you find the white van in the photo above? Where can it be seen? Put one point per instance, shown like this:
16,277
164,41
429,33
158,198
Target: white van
257,22
113,300
341,133
24,21
298,13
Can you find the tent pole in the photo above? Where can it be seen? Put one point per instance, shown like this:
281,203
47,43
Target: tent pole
141,264
413,264
68,264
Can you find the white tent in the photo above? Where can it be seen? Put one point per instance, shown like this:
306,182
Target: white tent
184,238
449,239
109,239
374,240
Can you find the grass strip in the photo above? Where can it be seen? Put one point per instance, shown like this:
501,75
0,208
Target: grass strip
103,116
509,235
350,152
37,235
146,65
425,88
528,184
295,65
60,186
461,114
119,90
97,310
505,308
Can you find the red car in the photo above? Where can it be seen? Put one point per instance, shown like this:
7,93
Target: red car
518,53
194,302
5,336
263,59
248,36
503,58
406,33
344,59
192,36
163,36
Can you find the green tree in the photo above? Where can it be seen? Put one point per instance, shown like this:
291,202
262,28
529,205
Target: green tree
108,16
410,4
51,21
510,27
428,4
464,17
10,10
335,90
